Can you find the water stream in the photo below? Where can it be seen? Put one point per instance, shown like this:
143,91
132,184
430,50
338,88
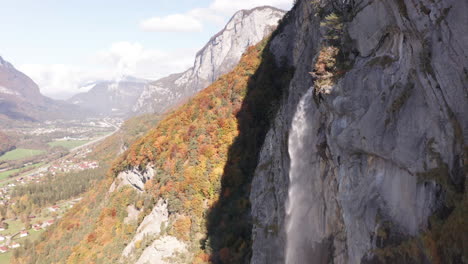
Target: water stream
299,210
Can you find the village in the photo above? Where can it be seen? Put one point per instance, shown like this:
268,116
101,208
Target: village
12,232
18,231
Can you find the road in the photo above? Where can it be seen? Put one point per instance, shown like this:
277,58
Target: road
98,139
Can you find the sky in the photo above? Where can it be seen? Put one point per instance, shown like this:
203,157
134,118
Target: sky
64,44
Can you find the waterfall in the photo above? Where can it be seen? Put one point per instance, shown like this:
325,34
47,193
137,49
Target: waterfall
299,208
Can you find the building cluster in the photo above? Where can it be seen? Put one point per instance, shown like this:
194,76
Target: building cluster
71,165
7,242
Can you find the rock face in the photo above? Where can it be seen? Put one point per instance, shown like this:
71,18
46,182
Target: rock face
150,226
163,251
111,98
21,99
162,247
134,178
382,151
219,56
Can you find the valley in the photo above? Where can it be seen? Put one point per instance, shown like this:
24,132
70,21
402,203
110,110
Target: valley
334,132
57,151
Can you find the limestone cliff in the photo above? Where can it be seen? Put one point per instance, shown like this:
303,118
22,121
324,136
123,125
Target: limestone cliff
366,160
219,56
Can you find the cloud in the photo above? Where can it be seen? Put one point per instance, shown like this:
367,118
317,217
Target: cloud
217,12
172,23
131,58
120,59
58,80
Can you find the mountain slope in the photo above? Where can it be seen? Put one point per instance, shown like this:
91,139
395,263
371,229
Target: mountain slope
6,143
221,129
114,98
358,155
21,100
219,56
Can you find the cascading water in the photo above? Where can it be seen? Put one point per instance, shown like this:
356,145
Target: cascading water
300,212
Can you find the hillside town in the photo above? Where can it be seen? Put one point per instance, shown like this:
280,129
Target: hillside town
12,237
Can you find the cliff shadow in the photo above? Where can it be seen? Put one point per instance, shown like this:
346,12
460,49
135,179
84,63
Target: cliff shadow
229,222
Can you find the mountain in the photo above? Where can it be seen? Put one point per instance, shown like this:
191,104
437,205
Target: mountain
21,99
220,55
114,98
339,139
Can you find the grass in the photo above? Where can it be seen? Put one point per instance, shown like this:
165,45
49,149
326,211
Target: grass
68,144
5,257
33,236
20,153
13,227
6,174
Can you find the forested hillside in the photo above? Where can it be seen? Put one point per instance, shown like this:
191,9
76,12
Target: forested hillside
204,155
79,223
6,143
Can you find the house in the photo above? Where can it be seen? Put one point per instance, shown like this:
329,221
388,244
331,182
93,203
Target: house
15,245
24,233
3,249
2,238
54,208
37,227
47,223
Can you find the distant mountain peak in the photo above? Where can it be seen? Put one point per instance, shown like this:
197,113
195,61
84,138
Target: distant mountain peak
5,63
220,55
110,97
21,99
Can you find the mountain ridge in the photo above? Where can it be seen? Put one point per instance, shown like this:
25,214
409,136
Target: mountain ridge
21,99
219,55
111,97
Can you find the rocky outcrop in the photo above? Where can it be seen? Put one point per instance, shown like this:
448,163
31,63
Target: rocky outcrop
162,248
163,251
150,226
219,56
380,151
133,177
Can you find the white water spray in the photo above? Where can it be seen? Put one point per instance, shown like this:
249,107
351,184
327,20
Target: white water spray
300,224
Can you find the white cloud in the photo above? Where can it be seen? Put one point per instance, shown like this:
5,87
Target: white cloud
58,80
217,12
172,23
132,58
126,58
120,59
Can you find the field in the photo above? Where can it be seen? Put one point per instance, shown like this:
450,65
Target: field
5,257
68,144
20,153
15,226
6,174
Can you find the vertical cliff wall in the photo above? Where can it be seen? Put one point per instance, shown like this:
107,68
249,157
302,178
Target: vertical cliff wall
371,165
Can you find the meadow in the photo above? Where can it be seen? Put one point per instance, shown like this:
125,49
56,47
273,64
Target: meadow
20,153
